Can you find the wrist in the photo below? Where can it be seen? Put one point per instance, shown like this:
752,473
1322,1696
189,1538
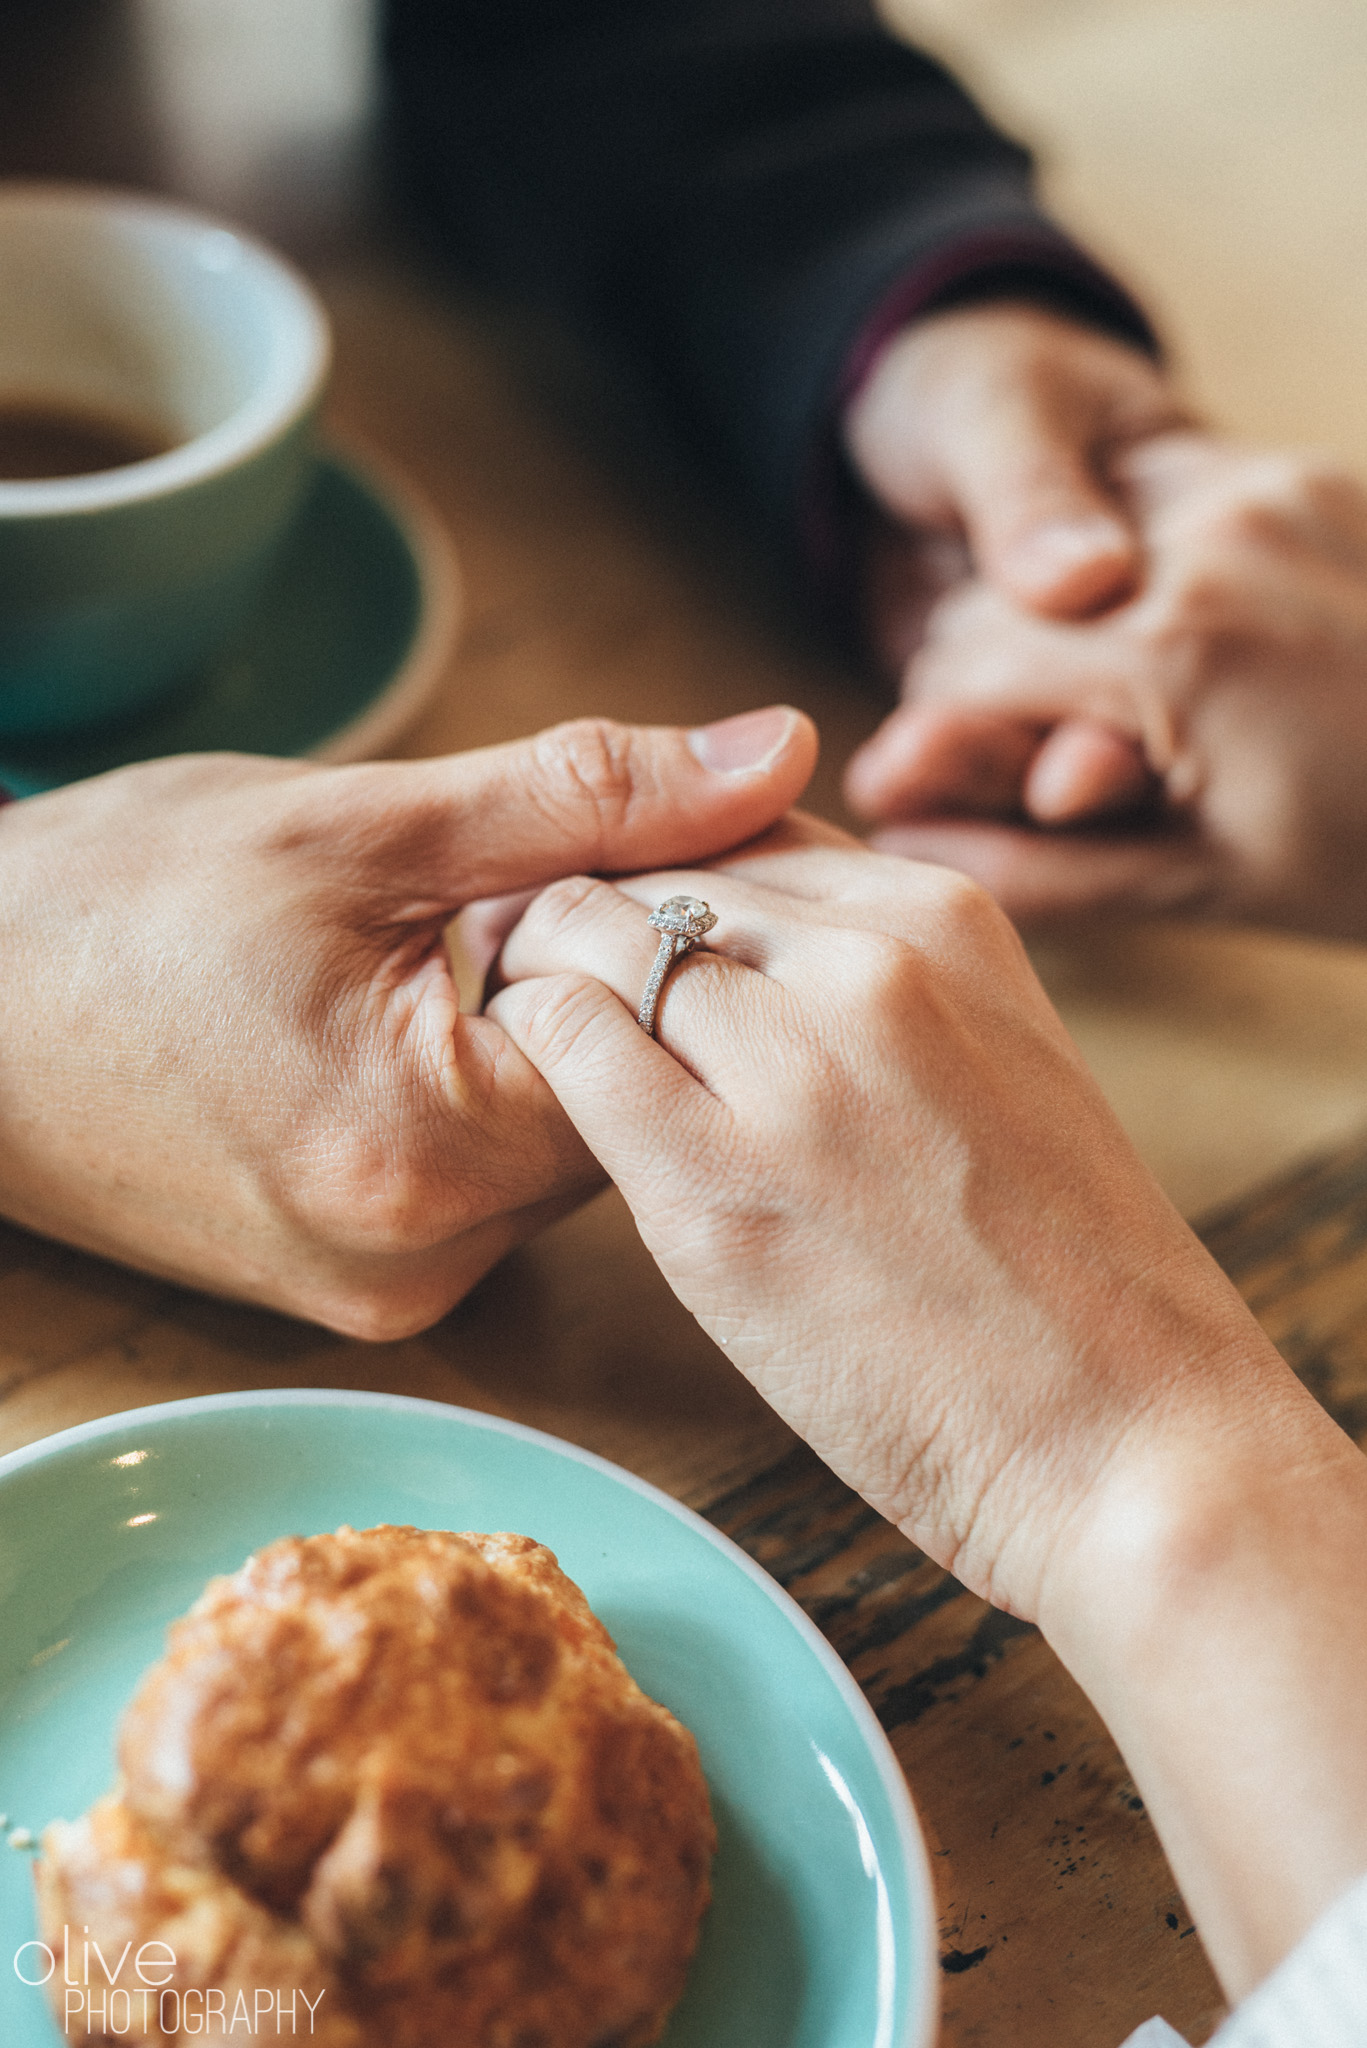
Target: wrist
1023,273
1211,1608
1189,1491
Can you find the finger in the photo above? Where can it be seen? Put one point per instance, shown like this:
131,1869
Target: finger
1041,525
483,926
766,958
853,886
1043,877
1083,770
591,796
732,1016
1278,498
496,1128
998,419
986,658
633,1105
586,926
937,760
717,1024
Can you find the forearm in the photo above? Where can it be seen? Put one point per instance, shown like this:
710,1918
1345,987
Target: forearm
1215,1614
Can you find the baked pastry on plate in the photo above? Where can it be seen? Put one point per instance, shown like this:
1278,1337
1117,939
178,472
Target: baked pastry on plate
403,1775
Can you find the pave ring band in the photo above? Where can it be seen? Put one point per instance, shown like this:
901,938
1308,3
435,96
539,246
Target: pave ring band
681,921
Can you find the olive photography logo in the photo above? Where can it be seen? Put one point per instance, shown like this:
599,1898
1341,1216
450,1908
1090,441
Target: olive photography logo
133,1997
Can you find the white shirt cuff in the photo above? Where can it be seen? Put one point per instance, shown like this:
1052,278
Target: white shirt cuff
1316,1998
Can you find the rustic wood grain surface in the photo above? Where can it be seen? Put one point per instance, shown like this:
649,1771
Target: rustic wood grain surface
596,580
1060,1926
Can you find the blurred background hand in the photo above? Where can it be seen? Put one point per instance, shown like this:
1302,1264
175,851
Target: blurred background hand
1210,728
996,426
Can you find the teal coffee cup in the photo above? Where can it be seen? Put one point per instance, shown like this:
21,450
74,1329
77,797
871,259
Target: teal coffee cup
159,377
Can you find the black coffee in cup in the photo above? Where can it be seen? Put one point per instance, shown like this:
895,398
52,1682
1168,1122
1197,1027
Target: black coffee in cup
42,438
130,329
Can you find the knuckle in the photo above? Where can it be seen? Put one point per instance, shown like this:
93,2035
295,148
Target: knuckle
745,1232
375,1202
1261,520
371,1183
560,1022
744,1217
1201,606
957,895
967,918
566,902
878,968
588,773
380,1315
1274,495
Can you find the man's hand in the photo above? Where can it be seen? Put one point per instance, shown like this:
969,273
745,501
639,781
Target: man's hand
232,1048
988,435
1218,720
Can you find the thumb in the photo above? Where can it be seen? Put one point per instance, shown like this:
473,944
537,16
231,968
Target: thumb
591,797
1040,523
992,421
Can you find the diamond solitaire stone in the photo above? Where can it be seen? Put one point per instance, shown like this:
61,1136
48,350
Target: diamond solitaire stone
688,917
681,921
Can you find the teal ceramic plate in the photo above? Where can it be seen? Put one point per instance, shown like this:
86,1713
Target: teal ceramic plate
338,657
821,1930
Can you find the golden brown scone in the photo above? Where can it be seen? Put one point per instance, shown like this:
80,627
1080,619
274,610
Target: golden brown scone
408,1768
105,1875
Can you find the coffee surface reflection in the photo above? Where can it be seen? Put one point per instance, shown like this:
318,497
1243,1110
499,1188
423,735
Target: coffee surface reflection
48,439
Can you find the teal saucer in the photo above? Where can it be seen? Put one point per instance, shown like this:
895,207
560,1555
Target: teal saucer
821,1932
339,656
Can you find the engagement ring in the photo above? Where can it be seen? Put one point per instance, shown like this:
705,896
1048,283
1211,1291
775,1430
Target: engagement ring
681,922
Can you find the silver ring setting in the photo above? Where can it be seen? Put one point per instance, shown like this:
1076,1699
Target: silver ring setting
681,921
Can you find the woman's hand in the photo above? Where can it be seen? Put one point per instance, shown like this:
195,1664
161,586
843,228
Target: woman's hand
867,1157
230,1046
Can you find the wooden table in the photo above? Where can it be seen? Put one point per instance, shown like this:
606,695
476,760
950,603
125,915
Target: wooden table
586,590
1060,1925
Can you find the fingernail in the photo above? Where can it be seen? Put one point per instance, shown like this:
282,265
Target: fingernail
1065,544
745,744
863,779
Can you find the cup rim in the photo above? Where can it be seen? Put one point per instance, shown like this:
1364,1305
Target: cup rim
264,416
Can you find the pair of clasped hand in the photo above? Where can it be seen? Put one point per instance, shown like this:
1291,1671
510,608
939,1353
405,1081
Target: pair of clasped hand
863,1150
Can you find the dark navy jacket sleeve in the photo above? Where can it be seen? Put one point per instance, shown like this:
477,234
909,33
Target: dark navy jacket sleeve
742,192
